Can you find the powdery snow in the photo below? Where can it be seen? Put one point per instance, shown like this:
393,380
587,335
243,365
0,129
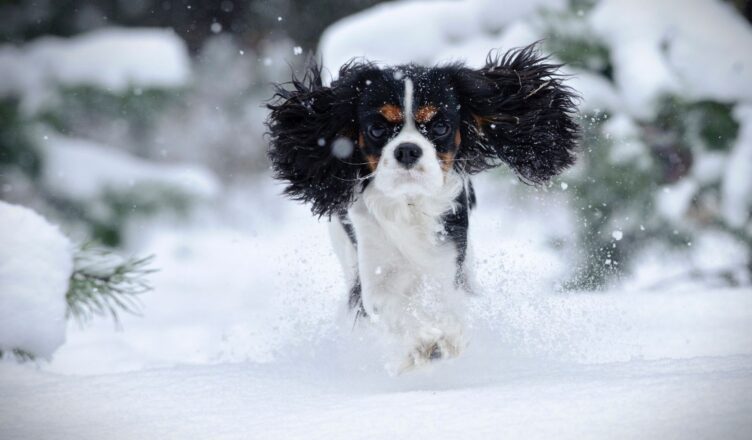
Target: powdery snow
36,262
81,169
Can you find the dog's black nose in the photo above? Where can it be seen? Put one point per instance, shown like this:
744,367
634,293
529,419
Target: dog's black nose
407,154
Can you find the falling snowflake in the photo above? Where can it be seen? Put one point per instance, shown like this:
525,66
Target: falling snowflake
342,147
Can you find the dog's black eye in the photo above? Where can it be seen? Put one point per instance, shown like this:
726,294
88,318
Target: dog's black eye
440,128
376,131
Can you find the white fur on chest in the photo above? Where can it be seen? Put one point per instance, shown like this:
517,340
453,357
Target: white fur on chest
407,265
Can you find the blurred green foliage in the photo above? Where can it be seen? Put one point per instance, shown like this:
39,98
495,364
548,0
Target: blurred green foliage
105,284
250,22
105,218
574,44
705,124
16,147
79,109
618,195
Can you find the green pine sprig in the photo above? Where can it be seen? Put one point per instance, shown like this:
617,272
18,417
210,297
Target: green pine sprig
103,283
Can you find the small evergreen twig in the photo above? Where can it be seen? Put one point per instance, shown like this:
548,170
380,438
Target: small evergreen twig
104,284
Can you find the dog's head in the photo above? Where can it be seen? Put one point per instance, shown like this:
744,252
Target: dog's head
404,128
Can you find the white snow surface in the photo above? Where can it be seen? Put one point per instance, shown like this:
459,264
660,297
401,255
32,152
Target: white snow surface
36,262
245,336
81,169
696,398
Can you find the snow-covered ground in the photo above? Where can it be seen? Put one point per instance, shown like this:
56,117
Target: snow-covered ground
668,399
244,336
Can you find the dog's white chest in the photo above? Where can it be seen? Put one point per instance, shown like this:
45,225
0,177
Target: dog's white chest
401,245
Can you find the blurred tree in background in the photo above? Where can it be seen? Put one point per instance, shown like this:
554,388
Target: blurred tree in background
651,180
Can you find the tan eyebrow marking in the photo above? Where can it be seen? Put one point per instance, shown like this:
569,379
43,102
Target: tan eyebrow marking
447,160
373,161
479,121
391,113
425,114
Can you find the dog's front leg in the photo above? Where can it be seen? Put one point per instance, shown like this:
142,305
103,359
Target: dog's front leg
421,313
413,298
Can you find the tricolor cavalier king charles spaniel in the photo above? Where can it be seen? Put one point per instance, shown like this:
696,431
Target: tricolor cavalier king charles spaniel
386,153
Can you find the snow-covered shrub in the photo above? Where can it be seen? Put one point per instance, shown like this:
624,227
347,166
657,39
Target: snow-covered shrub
81,120
125,119
111,59
115,187
36,262
45,280
656,150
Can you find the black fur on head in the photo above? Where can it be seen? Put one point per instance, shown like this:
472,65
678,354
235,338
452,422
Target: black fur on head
303,125
516,110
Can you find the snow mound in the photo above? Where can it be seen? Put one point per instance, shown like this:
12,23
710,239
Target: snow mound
36,262
81,169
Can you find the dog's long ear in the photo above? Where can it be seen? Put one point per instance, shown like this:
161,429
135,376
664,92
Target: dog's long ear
516,110
312,134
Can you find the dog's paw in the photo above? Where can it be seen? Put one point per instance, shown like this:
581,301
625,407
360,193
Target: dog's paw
427,351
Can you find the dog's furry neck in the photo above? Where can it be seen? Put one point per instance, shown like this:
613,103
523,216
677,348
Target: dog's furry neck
413,223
